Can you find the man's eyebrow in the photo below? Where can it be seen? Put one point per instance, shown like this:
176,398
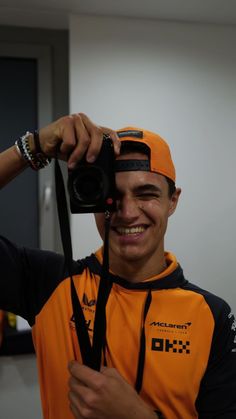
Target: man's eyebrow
148,187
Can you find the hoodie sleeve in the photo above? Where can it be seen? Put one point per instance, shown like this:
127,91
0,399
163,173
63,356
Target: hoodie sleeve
217,395
28,278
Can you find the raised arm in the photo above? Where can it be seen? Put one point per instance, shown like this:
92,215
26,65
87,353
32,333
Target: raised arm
69,138
11,164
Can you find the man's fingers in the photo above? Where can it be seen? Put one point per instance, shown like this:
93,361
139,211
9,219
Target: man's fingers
112,372
58,137
74,405
84,374
69,141
74,136
75,412
115,139
89,140
95,138
96,132
82,141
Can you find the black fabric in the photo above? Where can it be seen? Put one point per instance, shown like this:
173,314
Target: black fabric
29,277
63,215
81,328
132,165
37,143
173,280
217,393
91,354
99,336
142,348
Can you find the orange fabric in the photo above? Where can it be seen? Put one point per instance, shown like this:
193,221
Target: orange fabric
169,373
161,161
170,258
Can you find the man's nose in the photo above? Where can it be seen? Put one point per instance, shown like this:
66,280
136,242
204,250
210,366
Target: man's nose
128,208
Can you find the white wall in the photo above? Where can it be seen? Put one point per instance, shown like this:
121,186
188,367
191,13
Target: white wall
179,80
19,396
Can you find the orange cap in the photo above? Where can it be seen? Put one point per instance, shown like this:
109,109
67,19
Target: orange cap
160,155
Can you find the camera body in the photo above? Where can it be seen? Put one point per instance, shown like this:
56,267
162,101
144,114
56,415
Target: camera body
91,186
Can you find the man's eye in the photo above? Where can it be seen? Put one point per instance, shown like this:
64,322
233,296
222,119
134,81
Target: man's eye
148,195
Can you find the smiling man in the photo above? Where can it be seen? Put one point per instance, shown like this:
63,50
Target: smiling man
165,348
144,203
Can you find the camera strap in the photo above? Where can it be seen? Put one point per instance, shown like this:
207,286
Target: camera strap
91,353
105,285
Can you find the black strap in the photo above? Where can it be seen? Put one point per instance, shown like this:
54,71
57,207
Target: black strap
63,216
81,328
142,347
132,165
80,323
99,336
91,354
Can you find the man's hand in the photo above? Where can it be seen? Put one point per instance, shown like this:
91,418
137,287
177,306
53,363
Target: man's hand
104,395
71,137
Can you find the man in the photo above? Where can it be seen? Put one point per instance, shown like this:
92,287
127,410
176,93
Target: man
168,347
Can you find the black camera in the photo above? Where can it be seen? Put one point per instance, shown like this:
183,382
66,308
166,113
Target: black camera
91,186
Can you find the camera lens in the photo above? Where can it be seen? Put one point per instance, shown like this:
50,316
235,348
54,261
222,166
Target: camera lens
89,186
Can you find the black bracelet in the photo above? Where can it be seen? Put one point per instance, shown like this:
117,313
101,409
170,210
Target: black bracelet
38,149
37,160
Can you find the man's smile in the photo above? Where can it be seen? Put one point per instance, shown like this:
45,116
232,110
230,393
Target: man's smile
123,231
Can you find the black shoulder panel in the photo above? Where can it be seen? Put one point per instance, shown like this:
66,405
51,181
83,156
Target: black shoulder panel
217,395
29,277
92,263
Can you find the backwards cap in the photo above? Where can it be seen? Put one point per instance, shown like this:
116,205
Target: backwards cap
160,160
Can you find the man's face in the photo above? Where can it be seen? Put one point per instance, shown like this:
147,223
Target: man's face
139,224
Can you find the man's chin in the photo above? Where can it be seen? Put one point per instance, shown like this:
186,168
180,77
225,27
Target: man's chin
128,255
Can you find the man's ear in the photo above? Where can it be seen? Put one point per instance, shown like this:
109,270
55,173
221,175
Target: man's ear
174,201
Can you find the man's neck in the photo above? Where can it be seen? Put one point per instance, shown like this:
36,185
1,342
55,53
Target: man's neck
136,270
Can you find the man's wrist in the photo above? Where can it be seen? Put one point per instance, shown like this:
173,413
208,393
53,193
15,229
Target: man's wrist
29,151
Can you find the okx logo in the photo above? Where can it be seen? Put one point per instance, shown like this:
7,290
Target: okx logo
174,346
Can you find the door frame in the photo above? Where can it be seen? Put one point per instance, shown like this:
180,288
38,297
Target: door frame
42,55
48,48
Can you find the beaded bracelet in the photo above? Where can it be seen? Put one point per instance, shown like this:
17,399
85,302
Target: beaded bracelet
37,160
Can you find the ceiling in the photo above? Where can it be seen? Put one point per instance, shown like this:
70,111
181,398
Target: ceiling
54,13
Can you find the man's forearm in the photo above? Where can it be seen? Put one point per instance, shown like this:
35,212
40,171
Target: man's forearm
11,164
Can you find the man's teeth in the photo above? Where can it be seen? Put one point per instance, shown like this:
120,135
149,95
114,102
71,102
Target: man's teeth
131,230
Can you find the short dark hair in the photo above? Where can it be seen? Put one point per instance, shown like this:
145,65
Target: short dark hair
171,186
128,147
